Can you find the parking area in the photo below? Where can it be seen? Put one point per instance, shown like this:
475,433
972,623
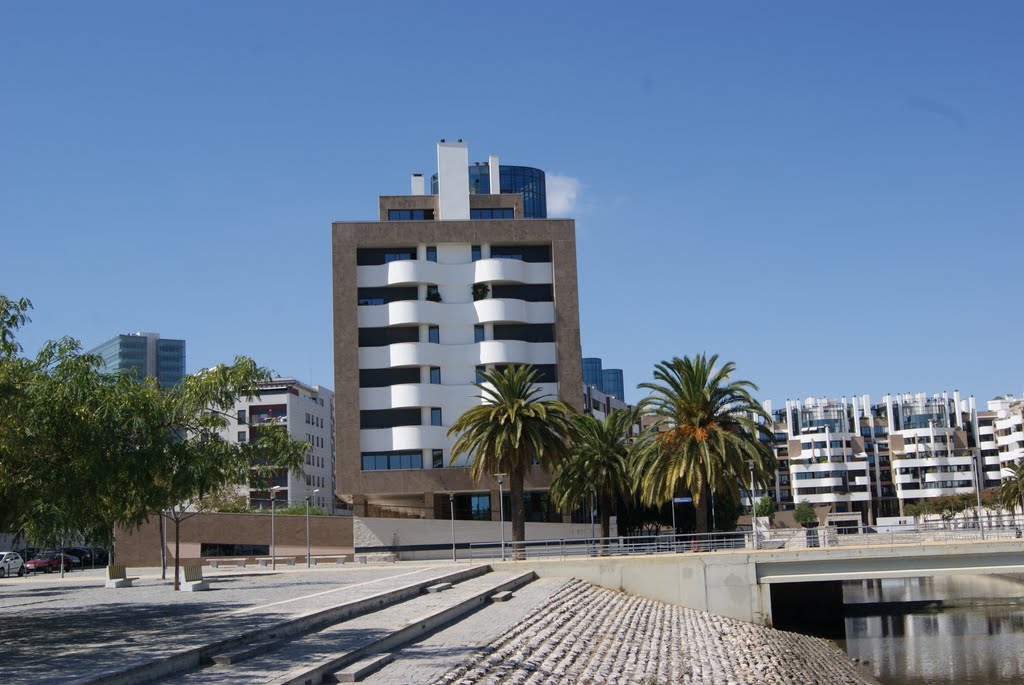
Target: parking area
73,628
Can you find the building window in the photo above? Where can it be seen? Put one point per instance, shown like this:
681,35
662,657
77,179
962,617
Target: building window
241,417
437,458
479,333
433,294
241,436
375,256
410,215
431,253
497,213
435,416
480,370
525,253
475,252
435,375
433,334
392,461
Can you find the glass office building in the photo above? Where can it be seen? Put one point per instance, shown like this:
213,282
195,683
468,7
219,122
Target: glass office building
613,384
514,179
592,374
144,354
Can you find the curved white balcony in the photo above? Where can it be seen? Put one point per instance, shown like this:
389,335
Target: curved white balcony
404,438
404,395
412,271
433,354
922,462
511,271
407,312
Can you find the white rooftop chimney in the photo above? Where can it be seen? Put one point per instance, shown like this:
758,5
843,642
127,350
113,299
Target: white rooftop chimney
453,181
418,187
494,172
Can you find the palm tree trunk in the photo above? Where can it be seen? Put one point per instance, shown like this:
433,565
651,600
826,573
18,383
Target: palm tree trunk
604,503
515,488
703,507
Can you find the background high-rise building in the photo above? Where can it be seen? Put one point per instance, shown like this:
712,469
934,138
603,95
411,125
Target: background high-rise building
144,354
524,180
443,287
608,381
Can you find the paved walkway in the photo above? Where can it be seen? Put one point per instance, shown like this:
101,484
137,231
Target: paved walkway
55,628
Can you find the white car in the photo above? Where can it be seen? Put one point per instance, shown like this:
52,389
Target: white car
11,564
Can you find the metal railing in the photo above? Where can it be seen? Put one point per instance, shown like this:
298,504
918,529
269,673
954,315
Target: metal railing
774,539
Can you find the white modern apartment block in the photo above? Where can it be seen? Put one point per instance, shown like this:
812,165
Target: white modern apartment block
1001,436
441,288
873,459
307,411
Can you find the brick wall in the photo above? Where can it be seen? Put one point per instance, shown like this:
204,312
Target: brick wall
327,535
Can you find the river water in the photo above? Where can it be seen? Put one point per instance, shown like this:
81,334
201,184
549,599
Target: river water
967,630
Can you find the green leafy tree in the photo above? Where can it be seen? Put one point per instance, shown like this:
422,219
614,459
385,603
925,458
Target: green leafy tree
598,463
803,513
710,434
512,426
764,507
198,462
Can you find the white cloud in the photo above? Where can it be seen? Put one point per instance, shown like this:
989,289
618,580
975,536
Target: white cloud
562,192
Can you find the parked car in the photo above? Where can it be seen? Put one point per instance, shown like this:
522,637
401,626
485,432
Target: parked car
11,564
48,562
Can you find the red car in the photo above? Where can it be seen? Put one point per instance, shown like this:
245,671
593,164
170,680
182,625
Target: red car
47,562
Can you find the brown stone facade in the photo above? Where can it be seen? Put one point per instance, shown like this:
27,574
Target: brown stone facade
418,486
327,535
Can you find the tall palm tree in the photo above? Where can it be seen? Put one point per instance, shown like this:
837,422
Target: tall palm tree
1011,490
513,425
598,463
710,434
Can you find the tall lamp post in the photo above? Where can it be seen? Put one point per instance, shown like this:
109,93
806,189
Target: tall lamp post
273,537
501,510
451,505
308,564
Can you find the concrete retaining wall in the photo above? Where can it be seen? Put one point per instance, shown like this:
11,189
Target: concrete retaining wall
432,538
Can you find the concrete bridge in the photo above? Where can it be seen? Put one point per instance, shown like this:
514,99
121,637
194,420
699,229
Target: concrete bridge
769,586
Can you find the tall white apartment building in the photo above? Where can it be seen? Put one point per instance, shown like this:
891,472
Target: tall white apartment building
1000,435
307,412
441,288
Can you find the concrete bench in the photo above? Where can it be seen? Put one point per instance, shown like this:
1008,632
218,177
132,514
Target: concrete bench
265,561
376,557
240,562
191,578
338,559
502,596
117,577
359,670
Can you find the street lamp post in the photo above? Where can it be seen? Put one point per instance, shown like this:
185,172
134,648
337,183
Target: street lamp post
273,537
451,504
501,510
308,564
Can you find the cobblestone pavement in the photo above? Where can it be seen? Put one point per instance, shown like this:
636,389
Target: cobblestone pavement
429,659
588,635
54,628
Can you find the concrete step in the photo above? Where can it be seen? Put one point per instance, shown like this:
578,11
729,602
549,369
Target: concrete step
267,638
359,670
317,657
502,596
440,587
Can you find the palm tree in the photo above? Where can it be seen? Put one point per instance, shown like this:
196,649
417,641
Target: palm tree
1011,490
512,426
710,434
598,463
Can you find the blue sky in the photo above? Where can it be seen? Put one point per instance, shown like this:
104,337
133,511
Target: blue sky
829,194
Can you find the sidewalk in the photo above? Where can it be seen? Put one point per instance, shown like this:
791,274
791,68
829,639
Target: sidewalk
74,628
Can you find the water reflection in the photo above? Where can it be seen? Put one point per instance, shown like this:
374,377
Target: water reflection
973,634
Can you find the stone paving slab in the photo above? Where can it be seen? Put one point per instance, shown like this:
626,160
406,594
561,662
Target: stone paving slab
75,628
